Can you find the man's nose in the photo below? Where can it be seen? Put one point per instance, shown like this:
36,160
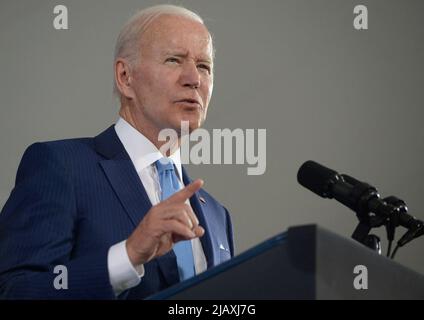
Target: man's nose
190,76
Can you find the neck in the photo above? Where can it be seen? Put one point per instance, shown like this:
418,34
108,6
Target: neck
147,129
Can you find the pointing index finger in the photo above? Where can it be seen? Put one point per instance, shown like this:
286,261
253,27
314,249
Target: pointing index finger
186,192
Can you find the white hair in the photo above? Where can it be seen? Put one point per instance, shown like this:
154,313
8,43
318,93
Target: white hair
129,39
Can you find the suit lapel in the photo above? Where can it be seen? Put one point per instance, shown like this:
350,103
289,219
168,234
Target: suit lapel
128,187
122,175
200,213
126,183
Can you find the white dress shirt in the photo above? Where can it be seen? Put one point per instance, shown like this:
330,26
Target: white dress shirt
143,153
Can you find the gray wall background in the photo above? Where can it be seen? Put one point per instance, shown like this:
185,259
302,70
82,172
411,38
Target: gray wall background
352,100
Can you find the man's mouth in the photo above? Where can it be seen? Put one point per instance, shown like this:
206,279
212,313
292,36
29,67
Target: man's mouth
192,103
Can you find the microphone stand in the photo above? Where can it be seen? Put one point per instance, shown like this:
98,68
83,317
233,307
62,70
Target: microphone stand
391,220
361,234
361,195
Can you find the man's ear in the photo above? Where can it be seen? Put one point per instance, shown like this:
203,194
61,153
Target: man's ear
123,78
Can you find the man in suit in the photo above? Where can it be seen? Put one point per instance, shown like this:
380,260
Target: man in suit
124,219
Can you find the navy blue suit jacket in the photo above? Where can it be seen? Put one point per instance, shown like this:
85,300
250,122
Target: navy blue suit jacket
74,199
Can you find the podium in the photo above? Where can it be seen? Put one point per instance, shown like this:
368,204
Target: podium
306,262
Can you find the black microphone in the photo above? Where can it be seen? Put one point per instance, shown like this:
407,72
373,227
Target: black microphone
329,184
358,196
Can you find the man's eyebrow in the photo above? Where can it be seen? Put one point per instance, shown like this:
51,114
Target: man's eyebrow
181,54
176,53
207,60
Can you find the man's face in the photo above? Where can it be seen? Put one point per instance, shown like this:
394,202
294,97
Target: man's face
173,81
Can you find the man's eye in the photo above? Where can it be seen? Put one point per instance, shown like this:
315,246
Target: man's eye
172,60
205,67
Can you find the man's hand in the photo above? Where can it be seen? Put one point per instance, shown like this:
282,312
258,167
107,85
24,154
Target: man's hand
166,223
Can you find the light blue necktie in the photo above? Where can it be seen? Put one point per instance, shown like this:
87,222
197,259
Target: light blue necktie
169,184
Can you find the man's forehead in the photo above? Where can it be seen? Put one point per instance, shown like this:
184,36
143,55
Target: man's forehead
176,28
179,39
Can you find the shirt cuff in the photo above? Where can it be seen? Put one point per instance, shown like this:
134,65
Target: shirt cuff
122,274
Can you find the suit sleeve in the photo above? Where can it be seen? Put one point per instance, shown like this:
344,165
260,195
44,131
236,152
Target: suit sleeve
38,229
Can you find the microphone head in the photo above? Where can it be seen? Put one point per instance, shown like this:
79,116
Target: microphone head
317,178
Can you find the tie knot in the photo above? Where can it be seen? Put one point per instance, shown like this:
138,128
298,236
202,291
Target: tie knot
164,164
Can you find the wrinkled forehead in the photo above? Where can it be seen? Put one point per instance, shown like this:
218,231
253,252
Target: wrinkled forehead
168,32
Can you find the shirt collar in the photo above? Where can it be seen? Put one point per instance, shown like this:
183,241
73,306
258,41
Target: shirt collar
142,151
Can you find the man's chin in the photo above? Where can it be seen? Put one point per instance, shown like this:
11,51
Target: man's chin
189,124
